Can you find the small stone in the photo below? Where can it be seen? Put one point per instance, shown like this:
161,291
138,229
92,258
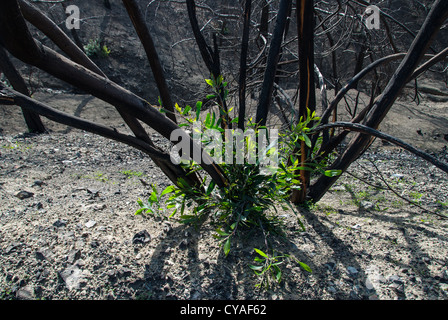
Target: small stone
141,237
366,205
71,276
353,272
93,191
426,260
38,183
24,195
330,265
73,256
395,279
183,244
397,287
332,289
167,228
94,244
124,272
442,276
44,254
26,293
90,223
38,205
60,223
397,176
111,274
369,284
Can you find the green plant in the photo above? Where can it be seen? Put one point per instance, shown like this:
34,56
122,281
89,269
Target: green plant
6,293
17,146
269,266
94,48
416,196
130,173
154,205
255,191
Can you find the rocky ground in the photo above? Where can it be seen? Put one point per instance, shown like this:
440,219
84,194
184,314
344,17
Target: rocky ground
68,229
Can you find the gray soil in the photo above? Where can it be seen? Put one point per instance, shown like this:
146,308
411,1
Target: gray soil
68,229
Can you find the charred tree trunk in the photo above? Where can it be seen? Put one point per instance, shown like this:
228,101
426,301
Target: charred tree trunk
272,64
307,97
433,23
148,44
211,59
243,66
32,120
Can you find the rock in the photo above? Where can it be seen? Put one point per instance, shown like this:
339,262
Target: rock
73,277
426,260
73,256
38,205
167,228
26,293
369,284
94,244
12,247
332,289
60,223
183,245
399,287
397,176
374,278
90,223
366,205
353,272
45,254
330,265
442,276
24,195
124,272
141,237
38,183
93,191
394,279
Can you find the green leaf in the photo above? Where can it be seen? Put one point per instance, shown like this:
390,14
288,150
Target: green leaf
332,173
261,253
168,189
210,188
305,267
153,198
209,82
221,233
278,274
256,268
207,121
307,140
198,109
186,110
227,246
